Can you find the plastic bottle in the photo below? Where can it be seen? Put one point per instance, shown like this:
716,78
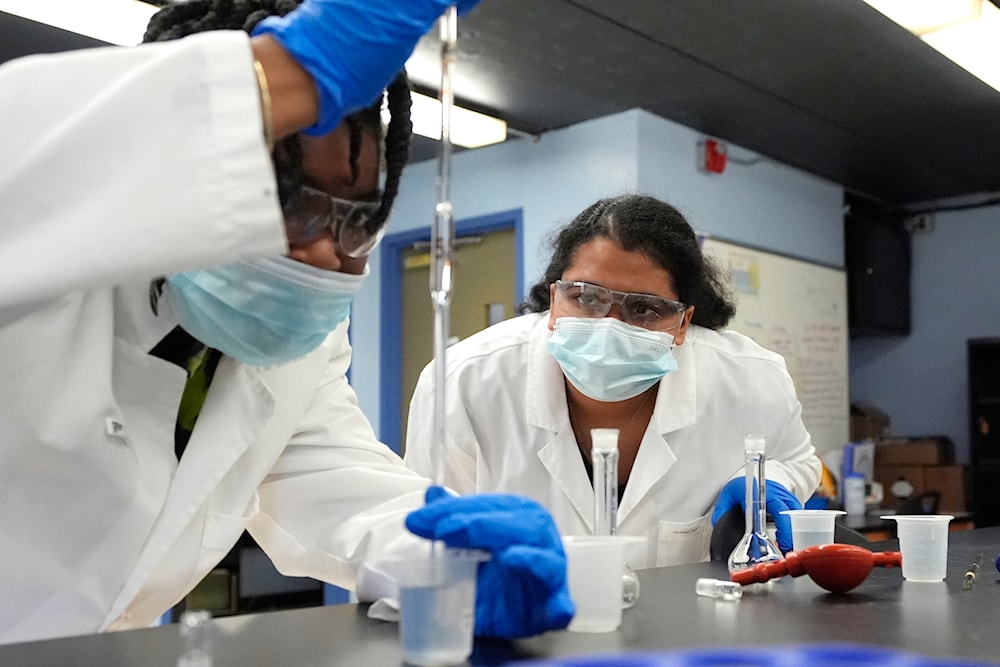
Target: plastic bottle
854,495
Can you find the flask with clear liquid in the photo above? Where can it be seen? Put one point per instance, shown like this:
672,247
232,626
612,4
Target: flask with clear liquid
604,458
755,546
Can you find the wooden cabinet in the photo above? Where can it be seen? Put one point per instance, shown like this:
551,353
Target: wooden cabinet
984,428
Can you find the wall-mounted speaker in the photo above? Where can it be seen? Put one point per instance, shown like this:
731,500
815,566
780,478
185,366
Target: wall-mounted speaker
878,257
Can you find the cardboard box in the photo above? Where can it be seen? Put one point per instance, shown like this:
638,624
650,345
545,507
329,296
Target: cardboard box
950,482
868,423
927,451
947,480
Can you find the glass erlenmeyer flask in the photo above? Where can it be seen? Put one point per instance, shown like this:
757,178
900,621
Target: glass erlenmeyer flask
755,546
604,458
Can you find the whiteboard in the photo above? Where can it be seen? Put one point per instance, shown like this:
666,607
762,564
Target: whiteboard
799,310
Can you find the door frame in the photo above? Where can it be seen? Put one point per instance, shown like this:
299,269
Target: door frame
391,335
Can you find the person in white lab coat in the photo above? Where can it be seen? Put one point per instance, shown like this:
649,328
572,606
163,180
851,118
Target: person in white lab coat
125,165
625,330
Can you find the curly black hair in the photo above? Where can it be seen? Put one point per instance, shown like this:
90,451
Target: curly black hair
656,229
180,19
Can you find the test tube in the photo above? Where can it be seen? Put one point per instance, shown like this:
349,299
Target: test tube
604,458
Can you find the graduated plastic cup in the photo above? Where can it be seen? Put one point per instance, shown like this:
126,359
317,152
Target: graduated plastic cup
812,527
923,542
595,580
437,602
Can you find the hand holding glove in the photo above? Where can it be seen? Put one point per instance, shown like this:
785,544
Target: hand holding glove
522,590
779,498
353,48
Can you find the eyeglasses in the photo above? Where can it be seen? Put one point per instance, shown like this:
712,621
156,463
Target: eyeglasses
311,212
642,310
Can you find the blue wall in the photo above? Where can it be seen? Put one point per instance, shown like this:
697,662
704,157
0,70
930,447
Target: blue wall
763,204
920,380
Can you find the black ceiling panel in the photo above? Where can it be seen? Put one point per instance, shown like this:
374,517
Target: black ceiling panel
829,86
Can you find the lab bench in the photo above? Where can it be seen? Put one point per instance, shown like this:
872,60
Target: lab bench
937,619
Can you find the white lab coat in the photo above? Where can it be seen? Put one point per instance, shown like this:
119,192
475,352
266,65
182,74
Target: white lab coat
508,430
121,165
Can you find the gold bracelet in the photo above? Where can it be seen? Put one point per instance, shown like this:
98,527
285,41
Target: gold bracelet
265,104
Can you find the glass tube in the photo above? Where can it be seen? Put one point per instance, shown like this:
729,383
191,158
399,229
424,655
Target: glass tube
442,236
755,546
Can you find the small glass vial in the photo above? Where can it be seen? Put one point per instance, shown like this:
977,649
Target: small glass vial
196,639
716,588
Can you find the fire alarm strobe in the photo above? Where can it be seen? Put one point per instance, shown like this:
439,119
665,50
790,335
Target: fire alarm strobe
712,156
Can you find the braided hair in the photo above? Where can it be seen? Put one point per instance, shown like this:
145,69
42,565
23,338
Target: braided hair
179,19
659,231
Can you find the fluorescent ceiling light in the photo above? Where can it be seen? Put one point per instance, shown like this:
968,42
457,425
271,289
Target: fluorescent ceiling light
920,16
965,31
468,128
114,21
974,45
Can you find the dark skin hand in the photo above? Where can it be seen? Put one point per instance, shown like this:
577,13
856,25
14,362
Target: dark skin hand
294,100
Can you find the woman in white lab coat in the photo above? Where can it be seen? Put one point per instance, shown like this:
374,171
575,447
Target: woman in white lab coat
627,331
125,165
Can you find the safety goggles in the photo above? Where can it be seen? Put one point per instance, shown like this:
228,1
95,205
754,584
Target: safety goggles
581,299
310,213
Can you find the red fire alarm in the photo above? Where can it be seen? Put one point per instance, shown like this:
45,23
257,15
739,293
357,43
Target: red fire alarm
713,156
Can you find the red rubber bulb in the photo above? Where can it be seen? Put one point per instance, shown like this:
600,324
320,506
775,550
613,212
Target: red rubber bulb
836,567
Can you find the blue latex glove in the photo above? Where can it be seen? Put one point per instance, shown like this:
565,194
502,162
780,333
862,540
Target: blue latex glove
353,48
779,498
522,590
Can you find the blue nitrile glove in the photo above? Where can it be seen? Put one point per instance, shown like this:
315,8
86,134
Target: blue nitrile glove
522,589
779,498
353,48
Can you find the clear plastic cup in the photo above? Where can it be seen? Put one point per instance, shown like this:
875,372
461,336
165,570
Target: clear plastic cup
812,527
437,602
923,543
595,580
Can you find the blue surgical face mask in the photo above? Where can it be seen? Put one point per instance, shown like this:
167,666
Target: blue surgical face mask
609,360
262,311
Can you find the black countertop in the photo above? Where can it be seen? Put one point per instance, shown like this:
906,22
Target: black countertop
940,620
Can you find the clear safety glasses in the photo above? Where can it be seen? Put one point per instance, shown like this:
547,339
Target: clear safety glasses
310,213
581,299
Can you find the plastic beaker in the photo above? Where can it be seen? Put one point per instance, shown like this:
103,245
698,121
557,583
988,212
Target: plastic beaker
595,580
437,601
923,541
812,527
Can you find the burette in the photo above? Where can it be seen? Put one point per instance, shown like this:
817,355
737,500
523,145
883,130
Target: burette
442,240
